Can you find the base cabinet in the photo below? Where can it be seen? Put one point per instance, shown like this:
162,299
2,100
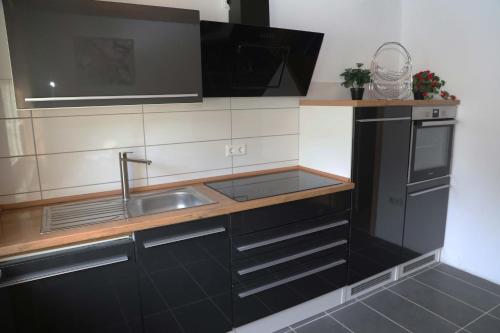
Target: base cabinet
86,289
426,211
185,279
286,254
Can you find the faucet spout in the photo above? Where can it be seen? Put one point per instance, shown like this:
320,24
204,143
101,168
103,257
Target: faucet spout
124,172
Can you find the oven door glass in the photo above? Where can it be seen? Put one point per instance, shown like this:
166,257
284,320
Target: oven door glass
431,151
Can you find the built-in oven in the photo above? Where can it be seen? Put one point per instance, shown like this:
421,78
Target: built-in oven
432,142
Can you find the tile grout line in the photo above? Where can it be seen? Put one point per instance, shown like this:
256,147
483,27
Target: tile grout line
423,307
467,282
144,142
343,307
340,323
481,316
231,131
383,315
36,154
310,321
444,293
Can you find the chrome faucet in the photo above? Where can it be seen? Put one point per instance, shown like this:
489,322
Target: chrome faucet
124,172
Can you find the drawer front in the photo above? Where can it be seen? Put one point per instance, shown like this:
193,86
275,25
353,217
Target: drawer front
291,237
276,263
269,295
277,215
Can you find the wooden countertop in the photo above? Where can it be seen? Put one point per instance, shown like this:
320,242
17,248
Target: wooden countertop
333,94
376,102
20,227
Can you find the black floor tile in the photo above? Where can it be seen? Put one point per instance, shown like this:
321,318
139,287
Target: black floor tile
408,314
283,330
486,324
341,306
361,319
496,312
461,290
307,320
325,324
439,303
482,283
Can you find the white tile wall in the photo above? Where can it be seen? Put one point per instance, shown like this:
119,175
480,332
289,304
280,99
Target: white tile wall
67,134
265,122
87,111
16,137
76,150
64,192
176,127
208,104
86,168
187,158
268,149
18,175
189,176
21,197
264,103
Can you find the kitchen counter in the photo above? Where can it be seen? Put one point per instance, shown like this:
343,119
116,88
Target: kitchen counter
375,102
20,228
332,94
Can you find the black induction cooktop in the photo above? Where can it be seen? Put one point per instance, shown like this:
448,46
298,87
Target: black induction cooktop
263,186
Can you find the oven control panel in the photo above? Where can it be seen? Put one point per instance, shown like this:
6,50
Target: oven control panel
434,112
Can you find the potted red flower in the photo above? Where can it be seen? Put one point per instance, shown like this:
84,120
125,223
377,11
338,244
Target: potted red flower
426,84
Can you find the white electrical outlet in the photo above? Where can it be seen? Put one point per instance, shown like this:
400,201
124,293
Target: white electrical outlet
236,150
229,150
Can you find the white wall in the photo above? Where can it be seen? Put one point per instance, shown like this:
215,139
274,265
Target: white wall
353,29
460,41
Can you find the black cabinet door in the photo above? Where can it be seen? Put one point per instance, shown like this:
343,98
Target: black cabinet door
81,52
185,277
87,289
426,210
380,170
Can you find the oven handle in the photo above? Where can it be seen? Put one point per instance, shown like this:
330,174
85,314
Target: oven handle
416,194
438,123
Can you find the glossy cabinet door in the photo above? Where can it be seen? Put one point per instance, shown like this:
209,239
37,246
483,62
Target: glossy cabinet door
426,211
81,52
87,289
380,170
185,279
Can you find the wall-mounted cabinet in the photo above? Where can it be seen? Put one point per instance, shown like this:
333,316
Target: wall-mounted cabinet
79,53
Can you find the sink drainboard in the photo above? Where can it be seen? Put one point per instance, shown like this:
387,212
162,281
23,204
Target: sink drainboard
72,215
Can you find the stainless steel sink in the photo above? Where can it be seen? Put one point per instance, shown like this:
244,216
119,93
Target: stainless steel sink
99,211
165,201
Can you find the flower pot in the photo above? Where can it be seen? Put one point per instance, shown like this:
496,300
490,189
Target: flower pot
418,95
357,93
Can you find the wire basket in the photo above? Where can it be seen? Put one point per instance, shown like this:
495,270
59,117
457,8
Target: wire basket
391,71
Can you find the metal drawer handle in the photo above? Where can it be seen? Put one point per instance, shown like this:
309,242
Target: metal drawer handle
95,98
374,120
416,194
290,279
290,258
438,123
290,236
64,270
179,238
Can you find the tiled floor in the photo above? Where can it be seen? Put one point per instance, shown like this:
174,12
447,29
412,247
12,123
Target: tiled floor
437,299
